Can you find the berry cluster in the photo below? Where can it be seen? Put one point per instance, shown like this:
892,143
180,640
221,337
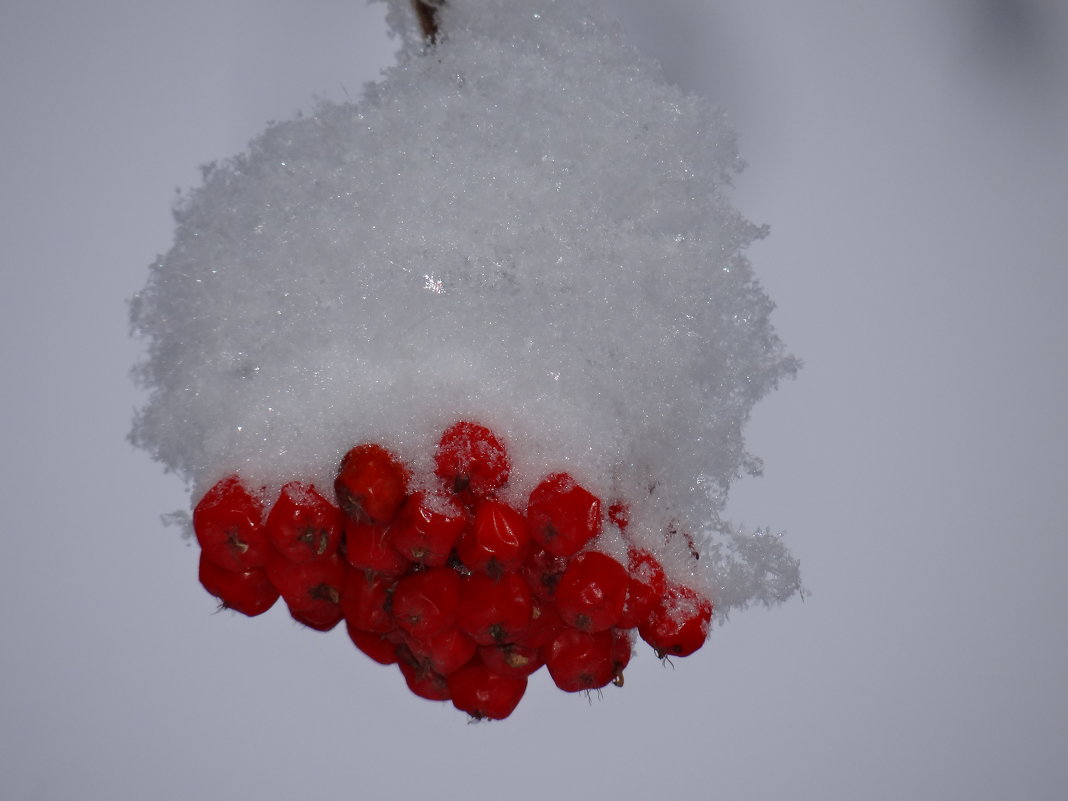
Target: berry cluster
467,595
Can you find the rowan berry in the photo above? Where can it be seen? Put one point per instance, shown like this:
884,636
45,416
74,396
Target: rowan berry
563,516
228,522
471,461
371,484
678,623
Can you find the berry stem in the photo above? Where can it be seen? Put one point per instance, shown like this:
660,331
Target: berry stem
427,13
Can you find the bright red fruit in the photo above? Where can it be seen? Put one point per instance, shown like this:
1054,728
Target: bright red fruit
371,484
497,540
303,525
592,591
427,528
321,619
563,515
444,652
250,592
370,547
471,461
494,611
365,601
311,590
513,660
678,623
619,513
646,584
228,522
483,694
466,594
425,603
545,624
377,646
578,660
542,571
420,677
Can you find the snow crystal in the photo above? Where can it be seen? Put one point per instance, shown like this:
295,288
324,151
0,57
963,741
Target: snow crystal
523,225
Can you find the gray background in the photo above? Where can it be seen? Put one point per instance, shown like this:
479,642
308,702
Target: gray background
912,159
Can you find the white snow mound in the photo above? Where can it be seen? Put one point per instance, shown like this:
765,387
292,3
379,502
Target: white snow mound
524,226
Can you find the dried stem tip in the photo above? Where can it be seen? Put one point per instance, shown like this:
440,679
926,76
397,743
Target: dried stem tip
427,13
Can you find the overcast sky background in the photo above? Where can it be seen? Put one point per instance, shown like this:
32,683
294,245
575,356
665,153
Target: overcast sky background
912,160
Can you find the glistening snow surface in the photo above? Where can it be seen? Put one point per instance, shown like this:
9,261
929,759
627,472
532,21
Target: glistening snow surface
524,226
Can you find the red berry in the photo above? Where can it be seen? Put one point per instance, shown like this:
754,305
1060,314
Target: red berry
678,623
542,571
371,484
592,591
322,619
311,590
645,586
427,528
563,516
619,513
365,601
471,461
421,679
482,694
580,660
370,547
425,603
444,652
494,611
545,624
378,647
228,522
250,592
303,525
497,540
513,660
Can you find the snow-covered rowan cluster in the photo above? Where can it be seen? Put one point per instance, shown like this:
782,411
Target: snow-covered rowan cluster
465,593
522,225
